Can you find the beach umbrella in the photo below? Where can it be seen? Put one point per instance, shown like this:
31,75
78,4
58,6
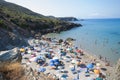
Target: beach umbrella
51,64
50,50
64,77
41,57
71,66
41,69
68,49
33,55
78,62
60,67
51,61
78,50
96,71
29,51
22,50
37,41
33,59
65,58
90,65
73,61
57,63
98,64
55,58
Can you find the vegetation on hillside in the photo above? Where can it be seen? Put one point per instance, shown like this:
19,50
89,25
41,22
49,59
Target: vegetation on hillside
15,71
11,71
25,18
17,22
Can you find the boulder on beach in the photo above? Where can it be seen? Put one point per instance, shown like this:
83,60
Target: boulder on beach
10,56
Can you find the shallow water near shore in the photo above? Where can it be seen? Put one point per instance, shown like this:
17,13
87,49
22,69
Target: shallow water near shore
97,37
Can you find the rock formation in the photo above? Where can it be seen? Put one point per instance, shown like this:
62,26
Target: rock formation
10,56
9,40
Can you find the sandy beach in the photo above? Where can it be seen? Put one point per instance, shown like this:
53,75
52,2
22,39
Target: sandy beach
59,40
70,60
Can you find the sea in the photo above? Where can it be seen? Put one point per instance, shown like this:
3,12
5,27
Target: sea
96,36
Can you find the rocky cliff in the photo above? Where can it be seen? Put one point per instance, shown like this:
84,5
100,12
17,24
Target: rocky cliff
10,56
9,40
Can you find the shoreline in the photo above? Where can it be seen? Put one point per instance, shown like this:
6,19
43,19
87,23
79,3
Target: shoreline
103,58
85,59
98,58
91,58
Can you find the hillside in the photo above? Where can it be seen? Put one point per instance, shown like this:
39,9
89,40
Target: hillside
17,22
68,18
65,18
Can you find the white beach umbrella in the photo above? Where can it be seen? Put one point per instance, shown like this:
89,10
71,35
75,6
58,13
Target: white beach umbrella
50,49
33,59
29,51
55,58
37,41
71,66
73,61
98,64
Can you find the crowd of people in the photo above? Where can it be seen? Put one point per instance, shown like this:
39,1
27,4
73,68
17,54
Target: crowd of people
60,57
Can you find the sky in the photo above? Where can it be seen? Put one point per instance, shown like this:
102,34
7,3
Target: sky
73,8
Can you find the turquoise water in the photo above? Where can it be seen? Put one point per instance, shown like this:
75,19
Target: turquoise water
97,36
